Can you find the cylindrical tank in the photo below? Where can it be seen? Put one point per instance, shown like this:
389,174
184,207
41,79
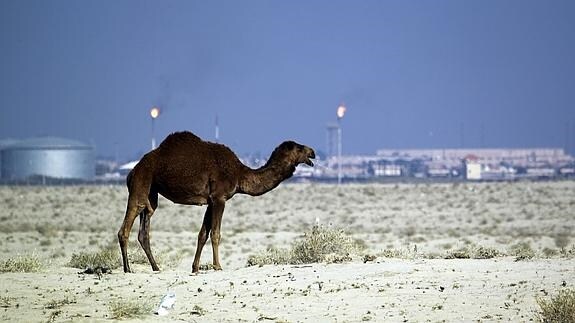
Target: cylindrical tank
48,156
3,144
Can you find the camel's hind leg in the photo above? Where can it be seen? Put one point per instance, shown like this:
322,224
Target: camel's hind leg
144,234
132,211
203,237
218,211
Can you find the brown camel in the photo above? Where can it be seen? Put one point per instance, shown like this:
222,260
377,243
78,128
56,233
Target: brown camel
187,170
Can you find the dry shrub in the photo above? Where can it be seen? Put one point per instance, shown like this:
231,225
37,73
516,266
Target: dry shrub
104,258
321,244
549,252
21,264
136,254
164,258
109,257
198,310
463,253
486,253
56,304
473,252
568,253
271,256
562,240
6,301
122,309
560,308
522,251
406,252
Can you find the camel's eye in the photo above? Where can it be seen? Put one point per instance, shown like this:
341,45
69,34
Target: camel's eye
290,145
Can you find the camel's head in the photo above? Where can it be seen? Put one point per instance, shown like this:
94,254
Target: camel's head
294,153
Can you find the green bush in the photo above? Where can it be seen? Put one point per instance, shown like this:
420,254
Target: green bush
318,245
21,264
560,308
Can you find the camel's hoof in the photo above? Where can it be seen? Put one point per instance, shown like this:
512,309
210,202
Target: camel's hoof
217,268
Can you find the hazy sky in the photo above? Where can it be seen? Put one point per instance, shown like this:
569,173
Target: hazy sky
412,73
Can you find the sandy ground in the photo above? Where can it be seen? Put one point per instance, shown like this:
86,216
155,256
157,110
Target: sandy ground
422,223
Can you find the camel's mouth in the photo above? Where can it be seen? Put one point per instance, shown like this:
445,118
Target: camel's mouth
310,156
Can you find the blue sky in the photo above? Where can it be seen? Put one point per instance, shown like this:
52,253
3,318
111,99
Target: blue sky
413,74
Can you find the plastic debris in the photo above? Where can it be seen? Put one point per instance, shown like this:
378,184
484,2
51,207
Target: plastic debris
167,303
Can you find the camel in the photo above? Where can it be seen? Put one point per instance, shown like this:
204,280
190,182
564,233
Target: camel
188,170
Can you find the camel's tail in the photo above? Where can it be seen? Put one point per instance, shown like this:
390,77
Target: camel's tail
129,178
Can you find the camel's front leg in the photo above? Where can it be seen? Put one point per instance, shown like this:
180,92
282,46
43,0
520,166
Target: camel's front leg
217,214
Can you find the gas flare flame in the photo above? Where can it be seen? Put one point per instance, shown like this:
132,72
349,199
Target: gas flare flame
155,112
341,111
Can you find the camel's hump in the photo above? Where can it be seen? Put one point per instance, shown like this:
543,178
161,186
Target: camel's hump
180,137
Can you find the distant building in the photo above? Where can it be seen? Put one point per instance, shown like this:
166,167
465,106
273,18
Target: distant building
525,157
386,170
472,171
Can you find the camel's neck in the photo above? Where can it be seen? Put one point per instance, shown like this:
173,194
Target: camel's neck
264,179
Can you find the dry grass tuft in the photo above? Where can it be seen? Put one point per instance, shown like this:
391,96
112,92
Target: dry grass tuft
560,308
271,256
522,251
21,264
123,309
568,253
473,252
164,258
406,252
105,258
56,304
109,257
6,301
323,244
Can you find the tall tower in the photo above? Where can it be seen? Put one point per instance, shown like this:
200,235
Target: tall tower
331,139
154,113
217,134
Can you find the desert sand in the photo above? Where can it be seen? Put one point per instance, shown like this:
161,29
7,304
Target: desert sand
417,232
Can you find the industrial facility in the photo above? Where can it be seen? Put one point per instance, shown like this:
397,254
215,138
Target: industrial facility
50,157
51,160
466,164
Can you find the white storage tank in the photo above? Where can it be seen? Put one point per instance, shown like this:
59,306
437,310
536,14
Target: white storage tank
47,156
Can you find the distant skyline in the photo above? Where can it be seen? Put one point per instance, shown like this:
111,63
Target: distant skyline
413,74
